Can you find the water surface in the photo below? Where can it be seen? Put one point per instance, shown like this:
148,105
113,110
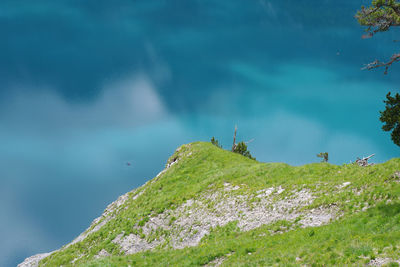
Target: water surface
87,86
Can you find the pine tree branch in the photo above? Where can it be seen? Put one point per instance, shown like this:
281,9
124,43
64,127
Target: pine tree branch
379,17
377,64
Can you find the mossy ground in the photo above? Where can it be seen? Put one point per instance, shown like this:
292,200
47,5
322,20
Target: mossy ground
356,238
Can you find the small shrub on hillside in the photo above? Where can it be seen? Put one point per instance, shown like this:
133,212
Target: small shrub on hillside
324,156
241,148
215,142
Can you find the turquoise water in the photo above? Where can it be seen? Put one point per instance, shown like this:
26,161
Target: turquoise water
87,86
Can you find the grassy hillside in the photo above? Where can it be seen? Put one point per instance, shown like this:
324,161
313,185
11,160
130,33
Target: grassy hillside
211,206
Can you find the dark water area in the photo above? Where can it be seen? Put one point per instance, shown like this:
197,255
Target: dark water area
88,86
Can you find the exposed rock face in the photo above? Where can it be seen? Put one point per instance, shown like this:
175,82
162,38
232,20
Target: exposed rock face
190,222
382,261
102,253
33,261
104,218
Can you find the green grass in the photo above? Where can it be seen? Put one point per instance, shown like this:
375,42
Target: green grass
202,166
353,240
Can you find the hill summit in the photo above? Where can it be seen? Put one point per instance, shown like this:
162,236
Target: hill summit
212,207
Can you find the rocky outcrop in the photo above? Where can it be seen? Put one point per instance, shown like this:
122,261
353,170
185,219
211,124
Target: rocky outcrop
33,261
189,223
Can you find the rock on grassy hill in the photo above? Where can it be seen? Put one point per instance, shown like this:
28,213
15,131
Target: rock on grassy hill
211,207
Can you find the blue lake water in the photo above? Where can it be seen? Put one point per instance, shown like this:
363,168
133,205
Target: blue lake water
87,86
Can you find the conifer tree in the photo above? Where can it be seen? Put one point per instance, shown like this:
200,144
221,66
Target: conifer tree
241,148
391,117
215,142
380,16
324,156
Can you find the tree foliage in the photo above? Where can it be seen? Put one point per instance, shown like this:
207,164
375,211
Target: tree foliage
241,148
380,16
391,117
215,142
324,156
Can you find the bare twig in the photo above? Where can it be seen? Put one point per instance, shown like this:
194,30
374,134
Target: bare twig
234,140
248,142
376,64
364,161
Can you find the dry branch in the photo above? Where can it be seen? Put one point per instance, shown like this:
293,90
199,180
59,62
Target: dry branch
377,63
234,140
364,161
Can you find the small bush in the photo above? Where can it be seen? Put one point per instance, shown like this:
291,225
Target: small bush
215,142
324,156
241,148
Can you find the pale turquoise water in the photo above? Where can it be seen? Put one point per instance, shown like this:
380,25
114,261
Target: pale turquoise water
86,86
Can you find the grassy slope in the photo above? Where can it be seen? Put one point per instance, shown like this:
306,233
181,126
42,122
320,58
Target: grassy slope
355,238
